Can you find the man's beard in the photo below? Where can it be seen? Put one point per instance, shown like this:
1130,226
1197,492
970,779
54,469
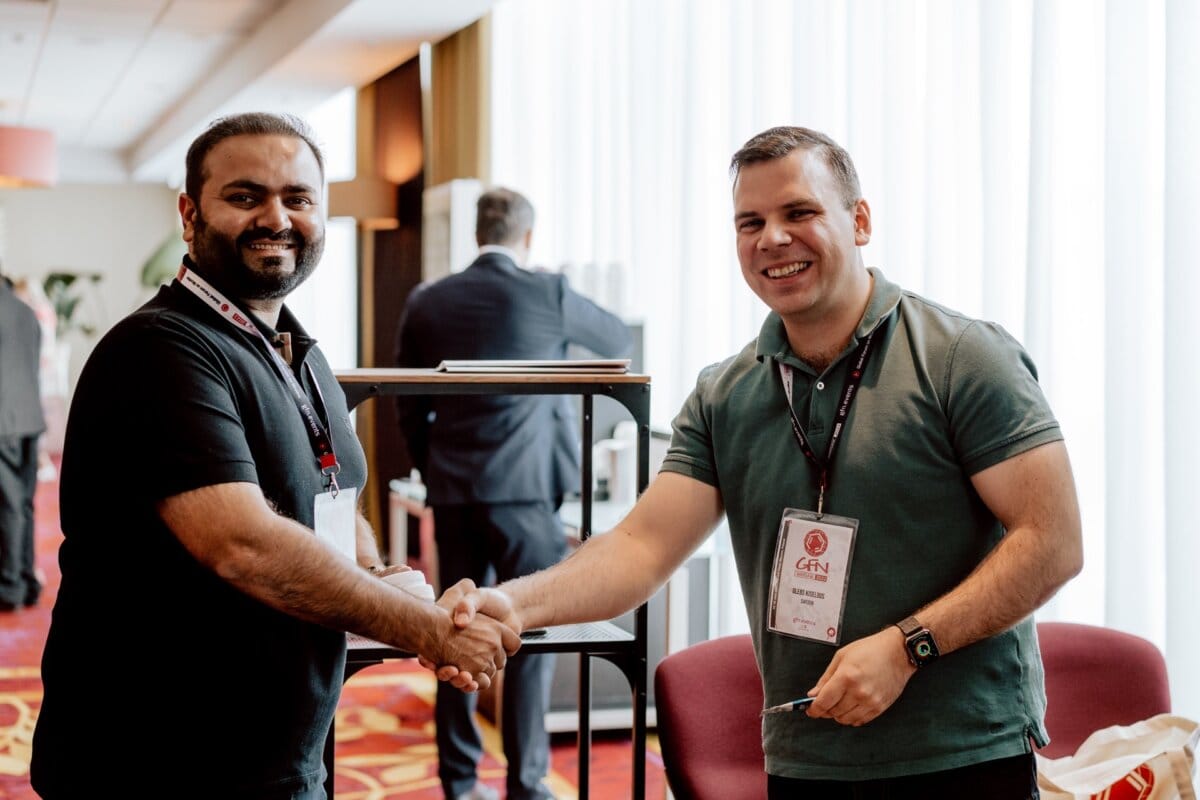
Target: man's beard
219,259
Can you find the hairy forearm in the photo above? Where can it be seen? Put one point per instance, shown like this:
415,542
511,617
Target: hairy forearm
327,589
231,529
1024,571
867,675
609,575
614,572
282,564
1033,496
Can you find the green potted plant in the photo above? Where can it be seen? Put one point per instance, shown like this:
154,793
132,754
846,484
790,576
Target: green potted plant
164,262
65,291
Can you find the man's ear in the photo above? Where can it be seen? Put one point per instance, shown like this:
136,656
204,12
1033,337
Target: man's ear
862,222
187,215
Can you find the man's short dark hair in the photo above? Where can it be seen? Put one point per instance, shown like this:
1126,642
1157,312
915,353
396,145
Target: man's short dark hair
781,141
502,217
255,123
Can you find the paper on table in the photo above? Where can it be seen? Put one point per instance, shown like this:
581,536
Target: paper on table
604,365
413,582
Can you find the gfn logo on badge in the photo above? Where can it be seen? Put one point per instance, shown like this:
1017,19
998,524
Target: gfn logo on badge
813,569
816,542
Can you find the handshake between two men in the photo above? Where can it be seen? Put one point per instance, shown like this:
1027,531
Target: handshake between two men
484,632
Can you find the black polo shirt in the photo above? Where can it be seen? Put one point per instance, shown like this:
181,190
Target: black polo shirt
218,694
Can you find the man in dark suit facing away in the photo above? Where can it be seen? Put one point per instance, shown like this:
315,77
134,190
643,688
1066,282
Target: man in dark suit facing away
21,423
496,468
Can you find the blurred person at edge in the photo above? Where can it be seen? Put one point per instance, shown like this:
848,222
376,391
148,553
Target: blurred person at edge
21,425
53,390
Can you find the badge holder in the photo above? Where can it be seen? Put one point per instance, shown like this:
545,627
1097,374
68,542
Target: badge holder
811,571
334,520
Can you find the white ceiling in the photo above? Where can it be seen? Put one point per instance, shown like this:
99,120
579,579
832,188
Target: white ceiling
126,84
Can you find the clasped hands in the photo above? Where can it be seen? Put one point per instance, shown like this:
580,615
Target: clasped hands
481,631
862,681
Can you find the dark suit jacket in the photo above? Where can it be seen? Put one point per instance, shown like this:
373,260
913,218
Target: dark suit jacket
20,346
498,449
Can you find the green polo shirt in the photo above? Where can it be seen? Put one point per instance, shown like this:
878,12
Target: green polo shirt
943,397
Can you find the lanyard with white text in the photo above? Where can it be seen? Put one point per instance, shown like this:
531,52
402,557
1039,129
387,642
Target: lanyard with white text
853,379
318,436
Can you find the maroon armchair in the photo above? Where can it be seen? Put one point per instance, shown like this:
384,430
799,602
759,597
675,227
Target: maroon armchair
709,696
1097,677
708,699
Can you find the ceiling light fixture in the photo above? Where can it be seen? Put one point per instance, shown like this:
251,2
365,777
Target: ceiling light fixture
28,157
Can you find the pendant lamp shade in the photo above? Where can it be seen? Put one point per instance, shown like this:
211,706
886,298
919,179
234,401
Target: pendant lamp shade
27,157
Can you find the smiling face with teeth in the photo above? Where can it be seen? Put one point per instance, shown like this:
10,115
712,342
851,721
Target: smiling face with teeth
798,244
258,229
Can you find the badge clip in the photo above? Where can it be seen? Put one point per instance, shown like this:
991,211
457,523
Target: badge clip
331,471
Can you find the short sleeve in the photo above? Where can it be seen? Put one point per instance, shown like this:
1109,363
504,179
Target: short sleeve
691,450
994,404
184,411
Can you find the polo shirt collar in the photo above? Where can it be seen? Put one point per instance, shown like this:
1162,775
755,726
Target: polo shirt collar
772,338
301,342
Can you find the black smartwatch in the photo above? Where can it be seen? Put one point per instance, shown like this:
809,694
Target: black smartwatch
918,641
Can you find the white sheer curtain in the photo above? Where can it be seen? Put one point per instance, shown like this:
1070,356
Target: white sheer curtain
327,303
1034,163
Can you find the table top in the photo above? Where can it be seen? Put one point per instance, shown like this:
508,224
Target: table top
587,637
373,375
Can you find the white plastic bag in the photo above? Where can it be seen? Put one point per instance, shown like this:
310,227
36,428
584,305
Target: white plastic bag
1154,759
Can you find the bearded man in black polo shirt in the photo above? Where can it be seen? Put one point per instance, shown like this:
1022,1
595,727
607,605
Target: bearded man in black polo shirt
210,475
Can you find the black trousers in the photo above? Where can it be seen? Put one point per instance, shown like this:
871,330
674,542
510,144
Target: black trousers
18,482
507,540
1003,779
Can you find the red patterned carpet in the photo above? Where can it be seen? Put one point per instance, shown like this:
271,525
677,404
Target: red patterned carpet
385,745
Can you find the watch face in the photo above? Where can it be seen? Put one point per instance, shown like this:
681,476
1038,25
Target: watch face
922,648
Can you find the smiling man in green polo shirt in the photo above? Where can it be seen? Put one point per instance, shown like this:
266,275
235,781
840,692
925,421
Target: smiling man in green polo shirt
899,497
